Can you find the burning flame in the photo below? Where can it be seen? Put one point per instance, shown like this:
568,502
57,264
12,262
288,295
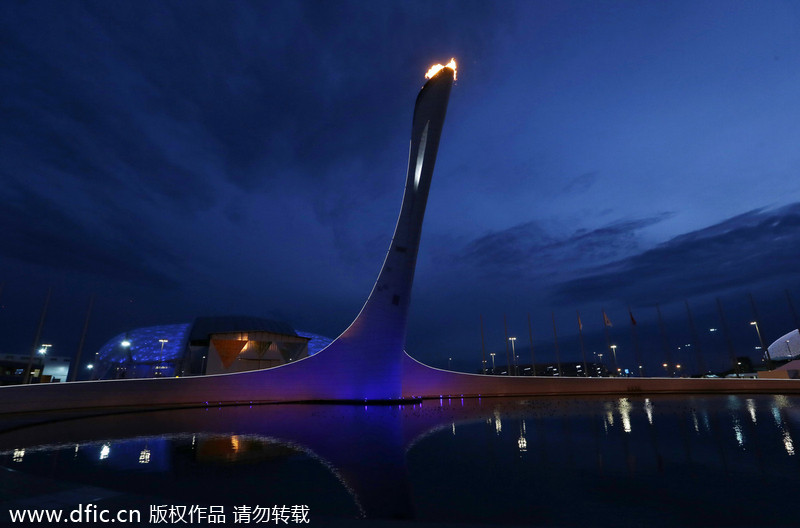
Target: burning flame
436,67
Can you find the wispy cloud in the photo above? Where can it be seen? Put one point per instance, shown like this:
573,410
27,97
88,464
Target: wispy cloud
528,250
37,231
757,247
581,183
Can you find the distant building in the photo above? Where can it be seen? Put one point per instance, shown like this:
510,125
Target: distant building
568,368
45,368
208,345
785,347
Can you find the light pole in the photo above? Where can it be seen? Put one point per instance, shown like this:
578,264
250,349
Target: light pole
161,366
492,354
126,344
514,355
449,362
678,366
42,354
761,342
614,351
666,369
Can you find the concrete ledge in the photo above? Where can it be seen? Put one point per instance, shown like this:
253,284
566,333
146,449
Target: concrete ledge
327,378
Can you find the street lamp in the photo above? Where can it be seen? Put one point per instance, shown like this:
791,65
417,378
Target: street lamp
449,362
159,369
492,354
678,366
514,354
614,351
666,368
42,352
761,341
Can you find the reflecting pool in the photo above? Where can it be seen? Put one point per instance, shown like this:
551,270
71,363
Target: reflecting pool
635,461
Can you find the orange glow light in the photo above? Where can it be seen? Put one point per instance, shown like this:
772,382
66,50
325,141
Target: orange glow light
436,67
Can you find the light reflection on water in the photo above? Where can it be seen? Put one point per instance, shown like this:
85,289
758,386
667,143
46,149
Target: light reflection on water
628,461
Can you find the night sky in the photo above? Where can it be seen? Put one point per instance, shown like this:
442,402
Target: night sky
178,159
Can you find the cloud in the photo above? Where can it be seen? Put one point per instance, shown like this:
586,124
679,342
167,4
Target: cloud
528,251
581,183
176,107
37,232
756,247
80,115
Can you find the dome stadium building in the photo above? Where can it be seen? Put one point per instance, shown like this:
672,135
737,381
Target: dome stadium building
207,345
785,347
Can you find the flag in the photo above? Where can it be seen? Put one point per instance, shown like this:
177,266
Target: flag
580,324
606,320
633,321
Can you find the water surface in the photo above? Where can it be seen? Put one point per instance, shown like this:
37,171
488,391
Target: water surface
665,461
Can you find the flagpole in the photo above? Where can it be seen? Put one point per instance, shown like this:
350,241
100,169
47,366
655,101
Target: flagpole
636,349
664,340
533,358
606,324
728,339
483,347
583,350
555,338
508,360
700,363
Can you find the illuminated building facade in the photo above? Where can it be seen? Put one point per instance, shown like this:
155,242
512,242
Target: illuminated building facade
786,347
45,369
207,345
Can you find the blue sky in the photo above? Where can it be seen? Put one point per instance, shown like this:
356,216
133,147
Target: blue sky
248,158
